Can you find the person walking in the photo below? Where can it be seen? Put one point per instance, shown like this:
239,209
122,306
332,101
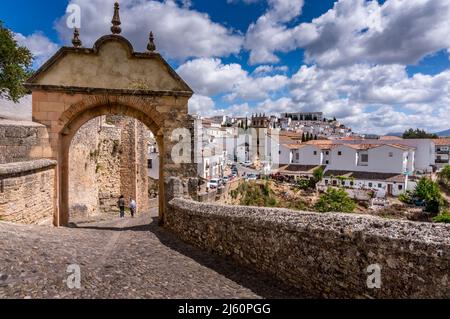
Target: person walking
133,207
121,204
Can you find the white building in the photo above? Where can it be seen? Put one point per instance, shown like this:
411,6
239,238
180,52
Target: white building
383,168
442,151
153,162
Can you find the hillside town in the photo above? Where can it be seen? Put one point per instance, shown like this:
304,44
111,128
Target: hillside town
377,169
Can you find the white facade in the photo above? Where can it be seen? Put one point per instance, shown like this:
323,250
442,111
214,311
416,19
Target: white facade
380,187
153,163
309,155
381,159
424,154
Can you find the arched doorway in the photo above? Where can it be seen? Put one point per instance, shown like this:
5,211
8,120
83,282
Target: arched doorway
66,142
79,84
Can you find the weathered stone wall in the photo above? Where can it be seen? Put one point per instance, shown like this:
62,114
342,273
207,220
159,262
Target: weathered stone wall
22,141
84,189
108,167
128,160
108,158
27,191
142,182
325,255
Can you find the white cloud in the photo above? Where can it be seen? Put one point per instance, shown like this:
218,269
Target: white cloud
211,77
355,31
359,31
40,46
179,32
361,95
376,99
200,104
269,34
269,69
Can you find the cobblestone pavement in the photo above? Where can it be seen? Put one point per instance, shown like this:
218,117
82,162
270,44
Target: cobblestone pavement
129,258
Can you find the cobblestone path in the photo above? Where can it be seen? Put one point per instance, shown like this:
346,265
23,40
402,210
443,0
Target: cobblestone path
129,258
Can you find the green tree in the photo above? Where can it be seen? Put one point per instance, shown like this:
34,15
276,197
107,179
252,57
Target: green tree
335,200
308,137
429,191
417,133
318,174
444,175
15,64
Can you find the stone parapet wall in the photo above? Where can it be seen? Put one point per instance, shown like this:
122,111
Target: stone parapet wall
27,191
325,255
22,141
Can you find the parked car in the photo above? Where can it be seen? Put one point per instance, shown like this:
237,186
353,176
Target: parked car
247,163
225,179
214,183
251,177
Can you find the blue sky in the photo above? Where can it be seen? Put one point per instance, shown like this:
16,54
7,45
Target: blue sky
379,66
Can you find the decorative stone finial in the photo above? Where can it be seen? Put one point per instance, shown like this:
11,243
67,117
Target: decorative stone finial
151,43
116,29
76,38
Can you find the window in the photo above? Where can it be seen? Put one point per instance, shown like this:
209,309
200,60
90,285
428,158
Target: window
400,187
343,183
379,185
150,163
297,156
352,183
391,154
334,182
326,182
327,153
327,162
315,152
339,153
370,184
364,158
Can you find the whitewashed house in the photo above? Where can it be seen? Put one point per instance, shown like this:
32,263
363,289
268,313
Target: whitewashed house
442,151
153,162
385,169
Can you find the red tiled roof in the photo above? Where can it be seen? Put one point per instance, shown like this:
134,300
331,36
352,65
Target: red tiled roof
442,141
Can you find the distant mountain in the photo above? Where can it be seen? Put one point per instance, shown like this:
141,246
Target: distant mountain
395,134
442,134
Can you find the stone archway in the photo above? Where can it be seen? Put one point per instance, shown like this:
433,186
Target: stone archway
78,84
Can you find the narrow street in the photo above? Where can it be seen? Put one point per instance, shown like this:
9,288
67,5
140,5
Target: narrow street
129,258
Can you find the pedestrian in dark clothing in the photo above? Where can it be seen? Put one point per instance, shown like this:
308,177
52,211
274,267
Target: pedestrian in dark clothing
121,204
133,207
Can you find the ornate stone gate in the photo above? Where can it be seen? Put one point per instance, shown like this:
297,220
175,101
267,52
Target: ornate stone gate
78,84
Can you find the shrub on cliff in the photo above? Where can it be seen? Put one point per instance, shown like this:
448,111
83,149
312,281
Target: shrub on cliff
443,217
335,200
429,191
444,176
